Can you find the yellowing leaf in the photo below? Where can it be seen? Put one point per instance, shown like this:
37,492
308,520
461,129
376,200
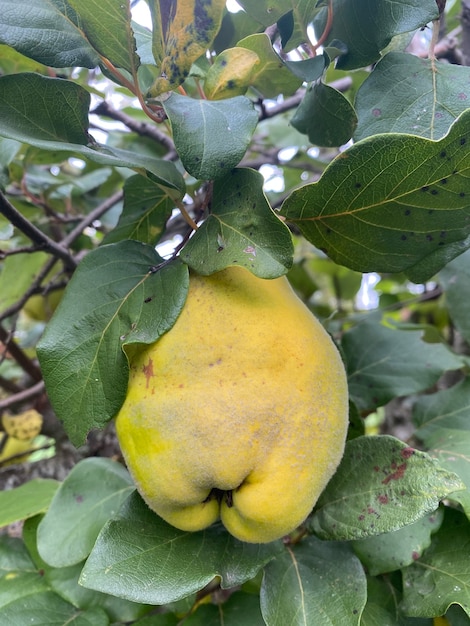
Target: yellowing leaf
182,32
24,426
231,73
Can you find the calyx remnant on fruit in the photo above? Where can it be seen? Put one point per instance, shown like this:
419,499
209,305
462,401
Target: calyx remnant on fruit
239,412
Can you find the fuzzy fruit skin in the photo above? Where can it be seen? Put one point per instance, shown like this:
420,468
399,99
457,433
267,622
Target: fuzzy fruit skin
246,394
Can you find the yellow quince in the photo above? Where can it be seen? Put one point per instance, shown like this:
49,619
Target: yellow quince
239,412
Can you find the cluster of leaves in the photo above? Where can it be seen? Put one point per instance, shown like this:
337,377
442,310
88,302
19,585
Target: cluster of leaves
221,95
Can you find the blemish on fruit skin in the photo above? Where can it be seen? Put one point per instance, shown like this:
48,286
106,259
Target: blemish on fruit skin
407,452
415,555
148,372
382,498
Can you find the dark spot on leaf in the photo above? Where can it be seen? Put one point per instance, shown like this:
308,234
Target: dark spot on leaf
415,555
147,300
223,63
358,185
463,141
408,212
425,188
403,237
462,96
407,452
361,518
376,112
79,499
443,154
444,181
434,192
429,238
231,84
462,194
395,475
443,234
382,498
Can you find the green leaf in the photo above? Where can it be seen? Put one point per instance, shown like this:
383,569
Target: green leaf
48,109
448,408
240,230
117,298
48,608
367,26
14,557
27,500
182,32
52,113
64,582
314,582
146,210
441,577
270,76
383,363
92,493
451,447
380,486
455,280
406,94
47,31
325,116
107,26
160,564
392,551
240,608
308,70
389,202
210,137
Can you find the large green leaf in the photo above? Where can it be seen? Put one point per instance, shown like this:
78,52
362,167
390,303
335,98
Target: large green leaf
91,494
115,298
407,94
52,113
383,363
211,137
130,558
455,279
47,31
240,230
107,26
391,203
441,576
315,582
367,26
380,486
182,32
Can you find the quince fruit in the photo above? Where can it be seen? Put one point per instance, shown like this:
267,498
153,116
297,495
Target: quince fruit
239,411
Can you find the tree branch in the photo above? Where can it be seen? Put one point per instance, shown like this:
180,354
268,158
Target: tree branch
141,128
33,233
20,357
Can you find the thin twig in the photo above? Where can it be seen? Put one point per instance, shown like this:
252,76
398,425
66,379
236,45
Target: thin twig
22,396
19,356
33,233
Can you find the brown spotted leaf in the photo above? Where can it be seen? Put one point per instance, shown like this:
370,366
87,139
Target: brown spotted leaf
381,485
391,203
182,32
